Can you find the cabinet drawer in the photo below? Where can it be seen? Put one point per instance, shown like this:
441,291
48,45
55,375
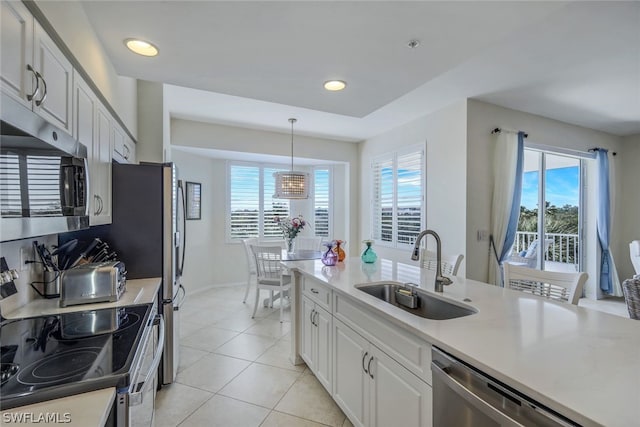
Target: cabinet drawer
317,292
407,349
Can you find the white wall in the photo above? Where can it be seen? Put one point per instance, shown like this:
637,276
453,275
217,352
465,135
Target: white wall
629,201
206,257
482,118
214,260
72,25
444,133
11,252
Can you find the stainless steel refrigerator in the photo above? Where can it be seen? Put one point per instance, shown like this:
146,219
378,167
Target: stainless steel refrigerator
148,230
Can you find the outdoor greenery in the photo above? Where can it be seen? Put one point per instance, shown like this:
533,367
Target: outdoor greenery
558,220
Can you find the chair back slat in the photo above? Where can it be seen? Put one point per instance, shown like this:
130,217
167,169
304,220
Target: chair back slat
449,264
565,287
252,241
268,259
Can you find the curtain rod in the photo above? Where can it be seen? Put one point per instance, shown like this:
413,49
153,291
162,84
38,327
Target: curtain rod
498,130
593,150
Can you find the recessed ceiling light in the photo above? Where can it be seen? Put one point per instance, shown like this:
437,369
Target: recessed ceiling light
141,47
334,85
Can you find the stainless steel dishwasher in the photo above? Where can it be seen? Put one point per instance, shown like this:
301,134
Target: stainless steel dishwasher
465,397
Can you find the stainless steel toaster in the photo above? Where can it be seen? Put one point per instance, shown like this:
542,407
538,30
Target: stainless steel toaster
93,282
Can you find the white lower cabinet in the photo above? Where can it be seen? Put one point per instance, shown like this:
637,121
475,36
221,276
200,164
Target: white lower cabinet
372,388
316,347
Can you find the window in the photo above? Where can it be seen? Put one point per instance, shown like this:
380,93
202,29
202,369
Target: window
322,202
398,194
251,204
552,180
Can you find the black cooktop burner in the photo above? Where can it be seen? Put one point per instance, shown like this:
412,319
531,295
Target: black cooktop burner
60,367
49,357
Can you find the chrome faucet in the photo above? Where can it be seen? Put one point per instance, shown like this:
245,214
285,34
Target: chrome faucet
441,280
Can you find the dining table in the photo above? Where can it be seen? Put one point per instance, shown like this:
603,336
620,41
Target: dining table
297,255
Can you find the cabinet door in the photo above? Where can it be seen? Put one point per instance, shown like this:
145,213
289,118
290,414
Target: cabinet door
350,383
16,51
308,333
323,350
397,397
84,120
101,169
56,71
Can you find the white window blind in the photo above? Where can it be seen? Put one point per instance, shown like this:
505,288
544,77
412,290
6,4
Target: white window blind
272,207
409,196
322,202
383,189
251,203
398,194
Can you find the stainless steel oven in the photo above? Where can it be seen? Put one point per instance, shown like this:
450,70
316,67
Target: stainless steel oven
135,404
464,396
48,357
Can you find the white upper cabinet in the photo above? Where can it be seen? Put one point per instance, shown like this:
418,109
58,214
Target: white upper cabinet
124,149
34,70
16,50
56,70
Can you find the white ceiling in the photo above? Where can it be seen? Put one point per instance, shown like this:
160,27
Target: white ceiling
256,64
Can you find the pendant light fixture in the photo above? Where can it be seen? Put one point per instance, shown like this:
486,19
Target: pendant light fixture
291,184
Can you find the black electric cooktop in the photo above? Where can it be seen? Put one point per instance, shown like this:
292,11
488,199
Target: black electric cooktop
49,357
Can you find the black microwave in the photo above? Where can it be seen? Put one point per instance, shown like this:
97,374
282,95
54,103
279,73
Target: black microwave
44,176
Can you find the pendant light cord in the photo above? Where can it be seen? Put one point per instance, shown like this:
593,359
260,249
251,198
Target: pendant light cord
292,121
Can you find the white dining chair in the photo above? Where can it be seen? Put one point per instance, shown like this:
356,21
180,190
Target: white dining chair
449,264
564,287
269,274
251,263
308,243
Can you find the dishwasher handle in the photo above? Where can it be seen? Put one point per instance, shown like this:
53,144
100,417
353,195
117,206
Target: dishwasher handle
484,407
135,398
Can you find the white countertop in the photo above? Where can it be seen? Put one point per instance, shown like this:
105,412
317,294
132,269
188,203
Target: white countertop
139,291
580,362
85,409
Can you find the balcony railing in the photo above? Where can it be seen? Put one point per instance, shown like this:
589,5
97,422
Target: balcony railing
564,248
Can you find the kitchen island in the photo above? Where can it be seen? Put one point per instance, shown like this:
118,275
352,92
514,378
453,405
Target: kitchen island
581,363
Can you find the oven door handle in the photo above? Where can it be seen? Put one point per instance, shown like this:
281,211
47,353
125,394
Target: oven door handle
135,397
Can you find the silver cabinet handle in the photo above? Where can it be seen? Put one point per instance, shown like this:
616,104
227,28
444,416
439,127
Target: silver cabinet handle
315,317
314,291
126,149
369,367
44,83
311,316
364,357
135,398
472,398
96,208
99,205
37,89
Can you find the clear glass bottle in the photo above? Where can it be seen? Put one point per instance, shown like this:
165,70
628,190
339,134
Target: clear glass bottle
329,257
369,256
339,251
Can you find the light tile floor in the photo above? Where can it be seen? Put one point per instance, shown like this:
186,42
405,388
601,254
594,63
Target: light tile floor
235,371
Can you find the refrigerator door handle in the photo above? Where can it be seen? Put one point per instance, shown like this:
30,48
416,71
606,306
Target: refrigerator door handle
184,226
175,298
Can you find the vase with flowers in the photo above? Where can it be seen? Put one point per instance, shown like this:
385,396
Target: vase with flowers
290,228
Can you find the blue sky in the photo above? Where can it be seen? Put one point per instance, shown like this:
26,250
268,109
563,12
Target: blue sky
563,187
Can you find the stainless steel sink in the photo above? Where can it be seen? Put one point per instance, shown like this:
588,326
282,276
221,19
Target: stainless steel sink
425,305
